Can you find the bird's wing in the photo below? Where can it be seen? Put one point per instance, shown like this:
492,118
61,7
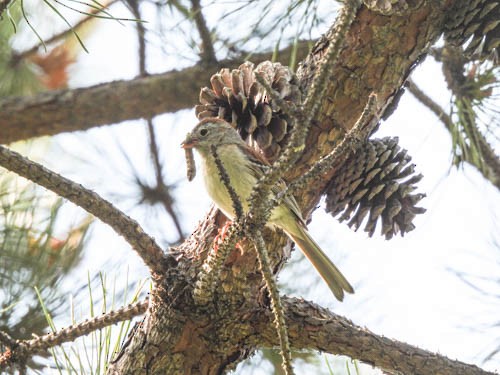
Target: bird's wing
258,166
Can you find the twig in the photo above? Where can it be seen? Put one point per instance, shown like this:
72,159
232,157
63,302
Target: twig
43,343
141,33
207,51
349,144
260,206
318,87
491,159
209,274
276,306
150,252
235,199
161,188
431,104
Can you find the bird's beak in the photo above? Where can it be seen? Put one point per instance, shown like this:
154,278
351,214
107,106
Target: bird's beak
189,142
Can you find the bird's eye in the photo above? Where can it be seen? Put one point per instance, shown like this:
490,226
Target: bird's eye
203,132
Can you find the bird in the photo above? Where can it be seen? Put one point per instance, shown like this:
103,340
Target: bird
244,167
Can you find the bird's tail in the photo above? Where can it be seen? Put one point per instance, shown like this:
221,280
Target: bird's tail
328,271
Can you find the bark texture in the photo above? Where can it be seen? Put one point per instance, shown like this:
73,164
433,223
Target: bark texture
178,337
312,326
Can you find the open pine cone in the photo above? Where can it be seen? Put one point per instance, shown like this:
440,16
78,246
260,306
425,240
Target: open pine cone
479,19
239,99
391,7
373,181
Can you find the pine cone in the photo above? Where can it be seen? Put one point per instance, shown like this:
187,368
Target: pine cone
371,181
239,99
392,7
479,19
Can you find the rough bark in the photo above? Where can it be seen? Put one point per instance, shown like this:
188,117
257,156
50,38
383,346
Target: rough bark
312,326
179,337
54,112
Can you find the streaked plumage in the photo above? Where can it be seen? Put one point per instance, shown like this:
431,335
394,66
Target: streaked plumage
244,167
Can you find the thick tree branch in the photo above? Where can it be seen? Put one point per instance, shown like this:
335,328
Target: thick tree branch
314,327
61,111
149,251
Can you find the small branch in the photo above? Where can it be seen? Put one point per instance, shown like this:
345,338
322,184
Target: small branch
314,327
491,159
71,333
43,343
163,189
431,104
276,306
349,144
141,34
263,257
207,48
207,51
209,275
142,243
260,206
320,82
237,206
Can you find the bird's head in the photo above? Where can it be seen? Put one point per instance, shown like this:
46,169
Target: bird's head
209,132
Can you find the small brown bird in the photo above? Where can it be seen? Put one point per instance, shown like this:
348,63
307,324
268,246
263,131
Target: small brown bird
245,167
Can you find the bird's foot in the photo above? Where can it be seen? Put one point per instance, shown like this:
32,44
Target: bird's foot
219,238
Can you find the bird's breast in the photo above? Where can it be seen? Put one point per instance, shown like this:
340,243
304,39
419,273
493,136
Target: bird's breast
241,178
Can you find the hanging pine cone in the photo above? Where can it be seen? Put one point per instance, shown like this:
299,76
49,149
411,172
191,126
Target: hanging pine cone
479,19
239,99
372,183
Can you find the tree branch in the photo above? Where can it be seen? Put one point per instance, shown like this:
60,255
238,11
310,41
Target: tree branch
146,247
311,326
61,111
431,104
491,159
28,348
279,321
207,51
